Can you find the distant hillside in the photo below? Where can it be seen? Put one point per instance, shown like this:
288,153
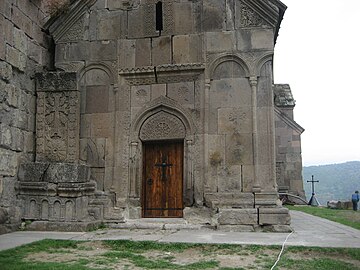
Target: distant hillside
337,181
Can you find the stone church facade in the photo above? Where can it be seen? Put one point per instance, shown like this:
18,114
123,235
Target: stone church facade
145,109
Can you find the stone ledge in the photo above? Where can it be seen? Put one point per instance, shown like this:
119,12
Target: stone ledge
63,226
53,172
238,217
229,200
274,216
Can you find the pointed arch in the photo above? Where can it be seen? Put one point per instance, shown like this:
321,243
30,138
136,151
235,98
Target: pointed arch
165,106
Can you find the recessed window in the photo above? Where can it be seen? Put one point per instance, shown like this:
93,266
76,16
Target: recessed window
159,16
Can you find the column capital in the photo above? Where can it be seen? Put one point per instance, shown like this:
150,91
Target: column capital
253,81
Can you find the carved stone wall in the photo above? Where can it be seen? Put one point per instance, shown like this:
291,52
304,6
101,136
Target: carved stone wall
205,78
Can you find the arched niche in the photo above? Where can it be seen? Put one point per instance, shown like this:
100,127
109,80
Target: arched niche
228,69
228,66
97,117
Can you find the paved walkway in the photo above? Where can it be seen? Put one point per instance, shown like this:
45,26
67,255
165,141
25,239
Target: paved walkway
308,231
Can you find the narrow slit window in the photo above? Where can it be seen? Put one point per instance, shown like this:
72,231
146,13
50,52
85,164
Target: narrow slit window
159,16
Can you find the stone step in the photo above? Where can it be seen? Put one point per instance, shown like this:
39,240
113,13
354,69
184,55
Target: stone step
159,224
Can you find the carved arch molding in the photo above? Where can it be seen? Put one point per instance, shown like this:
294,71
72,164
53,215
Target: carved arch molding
162,126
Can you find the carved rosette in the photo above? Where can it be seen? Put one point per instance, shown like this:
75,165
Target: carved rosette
57,119
162,126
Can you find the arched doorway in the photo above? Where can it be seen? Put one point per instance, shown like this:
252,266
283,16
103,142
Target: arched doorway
162,136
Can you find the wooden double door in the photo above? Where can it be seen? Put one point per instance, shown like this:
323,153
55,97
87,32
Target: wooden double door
162,187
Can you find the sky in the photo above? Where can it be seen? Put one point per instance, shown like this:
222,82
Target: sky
318,54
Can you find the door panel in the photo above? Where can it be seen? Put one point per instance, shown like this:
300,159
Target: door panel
163,179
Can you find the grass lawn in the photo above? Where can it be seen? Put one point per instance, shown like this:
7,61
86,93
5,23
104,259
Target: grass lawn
347,217
124,254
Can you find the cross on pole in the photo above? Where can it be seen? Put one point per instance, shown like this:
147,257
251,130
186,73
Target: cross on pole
313,184
313,201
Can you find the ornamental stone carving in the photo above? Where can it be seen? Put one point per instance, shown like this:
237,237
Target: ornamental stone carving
248,17
57,117
162,126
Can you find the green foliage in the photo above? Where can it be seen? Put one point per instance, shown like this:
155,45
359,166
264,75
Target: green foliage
130,254
347,217
315,264
337,181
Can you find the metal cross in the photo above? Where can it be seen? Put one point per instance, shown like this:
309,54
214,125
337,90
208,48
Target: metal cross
163,166
312,183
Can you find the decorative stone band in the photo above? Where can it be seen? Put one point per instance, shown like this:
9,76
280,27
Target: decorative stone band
162,73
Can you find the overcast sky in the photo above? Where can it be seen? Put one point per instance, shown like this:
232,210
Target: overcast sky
318,54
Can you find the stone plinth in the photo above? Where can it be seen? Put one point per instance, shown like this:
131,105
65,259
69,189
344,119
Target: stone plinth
55,191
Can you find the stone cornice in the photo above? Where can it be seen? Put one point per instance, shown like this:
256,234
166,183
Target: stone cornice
289,121
59,25
162,74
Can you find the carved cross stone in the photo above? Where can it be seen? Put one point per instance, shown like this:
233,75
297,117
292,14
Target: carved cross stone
57,108
57,117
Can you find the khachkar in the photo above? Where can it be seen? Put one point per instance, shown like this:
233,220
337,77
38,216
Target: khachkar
56,190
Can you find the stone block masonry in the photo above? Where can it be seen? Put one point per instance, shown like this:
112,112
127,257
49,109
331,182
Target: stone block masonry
153,109
23,50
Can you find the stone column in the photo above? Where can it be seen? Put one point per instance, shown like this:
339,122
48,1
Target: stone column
256,185
207,183
189,184
134,167
57,117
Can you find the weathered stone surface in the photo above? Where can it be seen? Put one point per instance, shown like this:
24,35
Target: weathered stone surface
214,15
56,81
229,200
238,216
237,228
112,25
32,172
67,173
183,18
274,216
161,50
3,215
220,41
83,226
5,71
8,162
143,52
187,49
198,215
97,99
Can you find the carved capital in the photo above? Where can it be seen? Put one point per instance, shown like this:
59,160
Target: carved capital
253,81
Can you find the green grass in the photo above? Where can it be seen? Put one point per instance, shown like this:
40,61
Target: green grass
347,217
131,254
